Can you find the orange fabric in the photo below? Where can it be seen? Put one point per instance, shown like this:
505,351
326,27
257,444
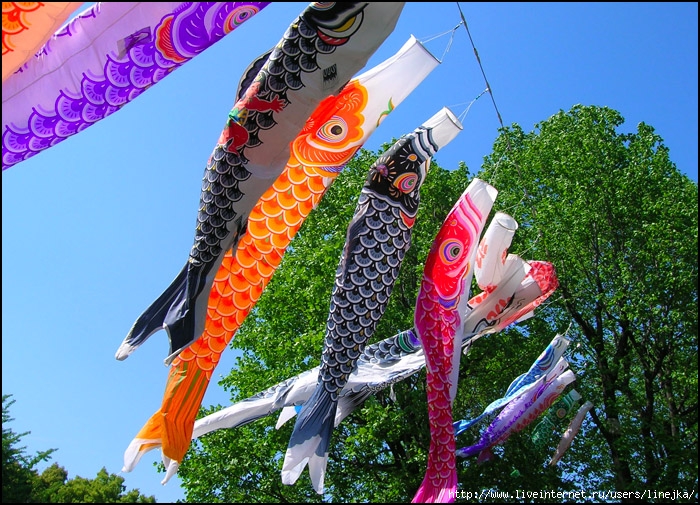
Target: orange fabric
239,283
26,26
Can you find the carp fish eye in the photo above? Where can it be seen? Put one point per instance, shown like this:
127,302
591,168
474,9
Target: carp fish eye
406,182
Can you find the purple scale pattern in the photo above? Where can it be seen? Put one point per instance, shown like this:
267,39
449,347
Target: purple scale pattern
195,27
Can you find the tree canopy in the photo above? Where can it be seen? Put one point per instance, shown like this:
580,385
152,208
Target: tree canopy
22,483
620,224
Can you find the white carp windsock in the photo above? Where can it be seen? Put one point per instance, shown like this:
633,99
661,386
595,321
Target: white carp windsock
441,303
520,412
319,53
570,433
490,265
378,237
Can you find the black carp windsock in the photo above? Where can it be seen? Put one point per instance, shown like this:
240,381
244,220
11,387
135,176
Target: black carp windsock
319,53
378,237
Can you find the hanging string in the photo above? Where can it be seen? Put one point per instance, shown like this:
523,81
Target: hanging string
464,114
449,43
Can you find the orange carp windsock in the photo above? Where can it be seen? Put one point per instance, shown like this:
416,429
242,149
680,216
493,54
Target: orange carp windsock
332,135
319,53
443,297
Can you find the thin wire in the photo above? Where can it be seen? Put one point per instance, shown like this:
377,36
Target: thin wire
500,120
476,53
508,209
488,86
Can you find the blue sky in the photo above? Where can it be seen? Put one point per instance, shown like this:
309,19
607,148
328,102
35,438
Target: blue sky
95,228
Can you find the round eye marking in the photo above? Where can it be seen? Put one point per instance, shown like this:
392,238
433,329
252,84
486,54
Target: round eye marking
450,251
333,130
406,182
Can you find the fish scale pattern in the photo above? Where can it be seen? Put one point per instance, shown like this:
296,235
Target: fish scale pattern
174,40
362,289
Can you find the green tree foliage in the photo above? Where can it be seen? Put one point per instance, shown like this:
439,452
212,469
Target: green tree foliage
22,483
18,471
619,223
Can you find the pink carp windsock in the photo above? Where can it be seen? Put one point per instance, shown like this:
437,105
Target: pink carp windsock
378,237
570,433
319,53
26,26
330,138
442,299
555,415
520,412
102,60
543,364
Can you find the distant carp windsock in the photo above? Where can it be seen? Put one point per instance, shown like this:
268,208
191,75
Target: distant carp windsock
330,138
543,364
26,26
378,237
520,412
554,416
319,53
443,298
570,433
102,60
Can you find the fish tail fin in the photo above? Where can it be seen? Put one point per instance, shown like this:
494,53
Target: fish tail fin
310,440
154,316
484,456
467,452
287,413
147,439
436,489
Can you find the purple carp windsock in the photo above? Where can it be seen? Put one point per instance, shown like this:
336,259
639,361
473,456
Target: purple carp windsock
378,237
543,364
100,61
319,53
442,299
520,412
26,26
570,433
